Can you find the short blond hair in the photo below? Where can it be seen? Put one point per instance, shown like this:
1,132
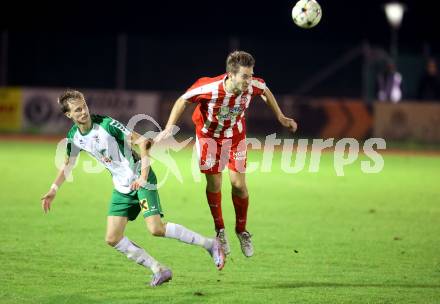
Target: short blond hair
68,96
237,59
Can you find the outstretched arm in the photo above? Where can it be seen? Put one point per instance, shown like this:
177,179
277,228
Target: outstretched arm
270,100
66,168
176,112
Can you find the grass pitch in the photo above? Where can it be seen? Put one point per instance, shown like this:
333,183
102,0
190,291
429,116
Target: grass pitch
319,238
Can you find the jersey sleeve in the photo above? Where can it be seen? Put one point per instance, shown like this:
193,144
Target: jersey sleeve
194,93
259,86
117,129
71,149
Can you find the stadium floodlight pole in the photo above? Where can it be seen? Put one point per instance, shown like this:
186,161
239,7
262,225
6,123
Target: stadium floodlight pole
394,13
4,59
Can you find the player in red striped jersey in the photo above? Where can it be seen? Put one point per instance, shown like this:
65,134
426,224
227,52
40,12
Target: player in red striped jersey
221,135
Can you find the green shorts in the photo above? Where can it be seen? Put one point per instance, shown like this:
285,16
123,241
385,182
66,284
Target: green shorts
143,200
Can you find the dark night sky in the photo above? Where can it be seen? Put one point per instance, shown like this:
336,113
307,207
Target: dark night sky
46,38
343,21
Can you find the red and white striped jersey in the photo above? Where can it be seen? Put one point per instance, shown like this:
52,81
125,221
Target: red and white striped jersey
220,114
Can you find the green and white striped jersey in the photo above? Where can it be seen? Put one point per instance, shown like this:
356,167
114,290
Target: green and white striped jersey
106,142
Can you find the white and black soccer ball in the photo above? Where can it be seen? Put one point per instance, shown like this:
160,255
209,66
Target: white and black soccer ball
306,13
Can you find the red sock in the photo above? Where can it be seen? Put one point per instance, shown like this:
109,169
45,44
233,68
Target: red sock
241,207
215,204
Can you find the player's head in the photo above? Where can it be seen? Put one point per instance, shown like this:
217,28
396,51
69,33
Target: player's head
240,69
74,106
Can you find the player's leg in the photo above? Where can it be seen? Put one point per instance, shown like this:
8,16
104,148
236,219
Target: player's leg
209,153
240,198
176,231
122,208
214,198
115,238
149,202
115,229
240,195
185,235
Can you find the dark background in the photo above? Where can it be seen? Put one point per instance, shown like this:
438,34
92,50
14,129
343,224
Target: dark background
169,44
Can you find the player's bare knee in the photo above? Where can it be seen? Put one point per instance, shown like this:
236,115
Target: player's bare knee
241,192
214,186
239,188
214,189
112,240
157,230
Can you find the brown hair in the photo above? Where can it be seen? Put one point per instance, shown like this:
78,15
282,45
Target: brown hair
68,96
237,59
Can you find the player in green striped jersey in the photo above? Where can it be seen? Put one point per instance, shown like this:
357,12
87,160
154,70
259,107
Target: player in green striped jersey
135,190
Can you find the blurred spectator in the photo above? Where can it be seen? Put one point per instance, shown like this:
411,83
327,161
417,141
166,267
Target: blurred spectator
429,86
389,82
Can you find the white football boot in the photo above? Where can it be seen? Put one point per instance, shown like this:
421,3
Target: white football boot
221,234
217,254
245,243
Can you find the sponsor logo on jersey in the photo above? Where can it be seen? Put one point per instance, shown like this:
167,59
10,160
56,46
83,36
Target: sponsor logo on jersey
144,205
239,155
227,113
210,161
237,110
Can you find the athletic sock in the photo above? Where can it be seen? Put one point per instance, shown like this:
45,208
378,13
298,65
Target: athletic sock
241,207
183,234
215,204
137,254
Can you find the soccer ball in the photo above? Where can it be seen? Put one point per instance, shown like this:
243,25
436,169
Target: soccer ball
306,13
